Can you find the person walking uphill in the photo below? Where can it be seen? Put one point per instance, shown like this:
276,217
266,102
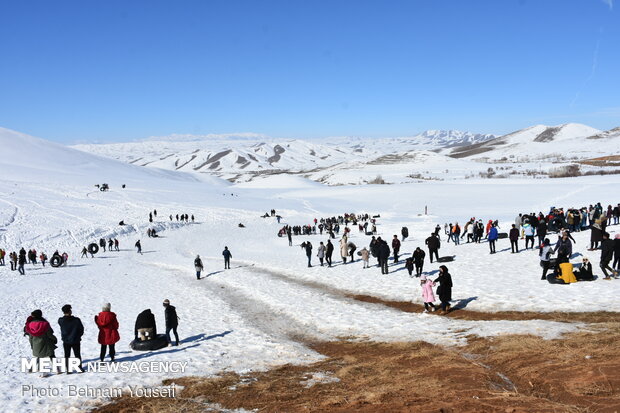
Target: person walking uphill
41,336
71,332
444,291
108,331
227,256
139,246
172,321
198,266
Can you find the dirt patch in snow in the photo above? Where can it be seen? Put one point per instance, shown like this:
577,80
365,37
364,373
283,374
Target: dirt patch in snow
457,311
517,374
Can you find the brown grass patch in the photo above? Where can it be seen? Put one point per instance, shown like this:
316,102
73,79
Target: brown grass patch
463,314
504,374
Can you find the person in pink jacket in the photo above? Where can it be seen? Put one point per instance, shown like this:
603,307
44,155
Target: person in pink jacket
427,294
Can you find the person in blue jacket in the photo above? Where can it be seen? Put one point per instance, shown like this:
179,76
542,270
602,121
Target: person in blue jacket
227,256
493,236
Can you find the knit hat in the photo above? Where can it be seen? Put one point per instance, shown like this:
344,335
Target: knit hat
166,301
106,307
37,314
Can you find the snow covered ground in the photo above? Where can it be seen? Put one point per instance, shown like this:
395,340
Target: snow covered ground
262,311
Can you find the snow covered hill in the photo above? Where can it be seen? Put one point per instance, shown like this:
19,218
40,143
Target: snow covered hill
565,142
260,313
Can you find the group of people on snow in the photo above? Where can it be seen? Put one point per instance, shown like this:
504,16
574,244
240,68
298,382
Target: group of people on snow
43,342
199,266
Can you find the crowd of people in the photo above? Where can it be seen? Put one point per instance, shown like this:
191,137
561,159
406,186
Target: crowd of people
43,341
531,227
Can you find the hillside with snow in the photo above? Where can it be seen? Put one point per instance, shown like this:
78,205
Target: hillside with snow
565,142
262,312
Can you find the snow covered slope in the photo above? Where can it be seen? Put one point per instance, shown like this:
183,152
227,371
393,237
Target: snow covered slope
262,311
27,158
563,142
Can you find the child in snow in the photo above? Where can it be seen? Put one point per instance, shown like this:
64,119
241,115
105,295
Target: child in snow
427,293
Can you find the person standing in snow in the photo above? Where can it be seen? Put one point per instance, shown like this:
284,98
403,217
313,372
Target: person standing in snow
344,250
108,331
71,332
289,235
607,252
545,257
21,261
329,250
41,336
138,245
43,258
116,244
172,321
395,248
383,254
102,243
110,244
492,236
2,254
227,256
528,231
514,239
427,294
433,246
409,265
308,248
444,291
418,259
365,256
321,252
84,253
198,266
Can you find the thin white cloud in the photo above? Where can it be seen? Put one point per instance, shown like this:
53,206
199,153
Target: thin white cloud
592,70
609,3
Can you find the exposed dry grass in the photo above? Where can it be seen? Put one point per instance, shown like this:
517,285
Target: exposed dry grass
507,374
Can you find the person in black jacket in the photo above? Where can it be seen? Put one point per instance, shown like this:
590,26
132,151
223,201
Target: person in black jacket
418,260
227,256
329,250
172,321
21,261
433,246
585,272
607,252
514,239
383,254
541,231
308,248
71,330
617,252
145,328
444,291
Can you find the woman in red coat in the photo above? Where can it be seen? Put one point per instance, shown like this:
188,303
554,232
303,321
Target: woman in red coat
108,330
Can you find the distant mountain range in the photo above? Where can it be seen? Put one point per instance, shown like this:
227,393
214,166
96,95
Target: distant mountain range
432,154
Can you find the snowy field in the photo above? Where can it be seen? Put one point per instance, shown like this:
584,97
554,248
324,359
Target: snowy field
259,313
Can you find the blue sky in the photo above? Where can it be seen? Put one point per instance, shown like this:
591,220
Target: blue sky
119,70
